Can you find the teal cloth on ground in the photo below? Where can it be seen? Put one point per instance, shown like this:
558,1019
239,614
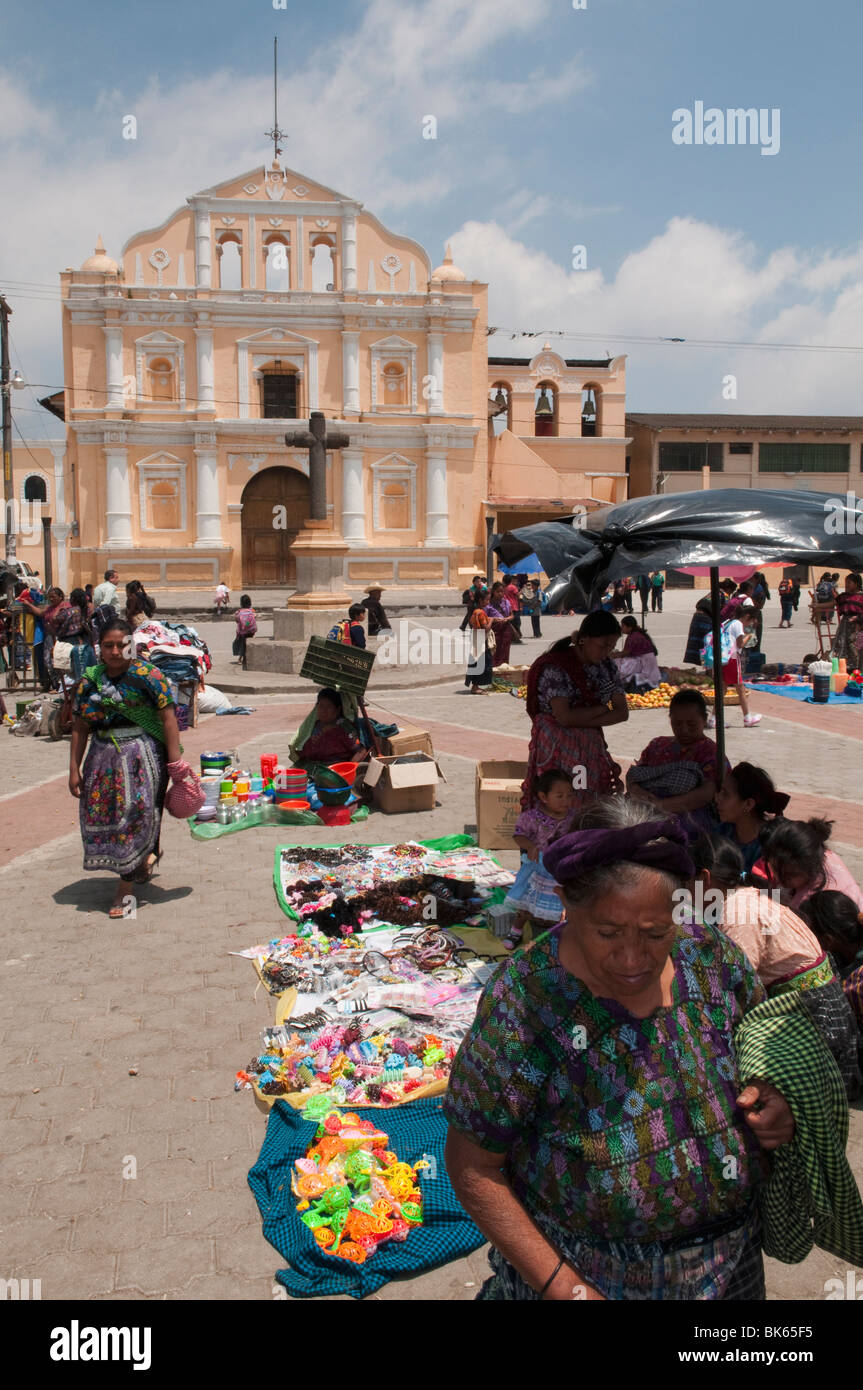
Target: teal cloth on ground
416,1131
802,692
811,1196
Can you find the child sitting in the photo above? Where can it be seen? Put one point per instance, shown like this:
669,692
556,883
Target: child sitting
533,895
679,773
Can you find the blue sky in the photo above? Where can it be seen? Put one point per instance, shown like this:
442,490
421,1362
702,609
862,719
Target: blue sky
554,130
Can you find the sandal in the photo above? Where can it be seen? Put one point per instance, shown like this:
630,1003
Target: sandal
144,875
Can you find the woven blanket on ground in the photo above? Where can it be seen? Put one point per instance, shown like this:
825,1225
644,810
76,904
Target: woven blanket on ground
447,1233
811,1197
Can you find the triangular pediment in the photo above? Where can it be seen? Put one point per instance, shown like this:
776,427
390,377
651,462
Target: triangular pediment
294,187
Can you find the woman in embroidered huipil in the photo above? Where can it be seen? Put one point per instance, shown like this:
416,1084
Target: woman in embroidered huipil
601,1135
127,706
574,693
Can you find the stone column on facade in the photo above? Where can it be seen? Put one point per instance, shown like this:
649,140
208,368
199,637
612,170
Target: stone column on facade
437,502
351,372
118,493
61,527
253,254
208,510
114,366
353,499
206,369
349,253
301,243
435,371
202,249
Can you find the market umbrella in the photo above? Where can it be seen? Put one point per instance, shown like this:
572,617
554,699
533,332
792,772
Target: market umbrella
730,526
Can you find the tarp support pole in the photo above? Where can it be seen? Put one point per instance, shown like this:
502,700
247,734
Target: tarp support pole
718,701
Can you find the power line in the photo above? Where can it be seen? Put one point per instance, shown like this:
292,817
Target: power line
657,340
44,293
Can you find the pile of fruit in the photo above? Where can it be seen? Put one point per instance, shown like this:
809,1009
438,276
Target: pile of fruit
660,698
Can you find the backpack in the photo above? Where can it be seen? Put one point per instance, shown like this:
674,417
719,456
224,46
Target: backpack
825,593
341,632
785,586
247,623
726,648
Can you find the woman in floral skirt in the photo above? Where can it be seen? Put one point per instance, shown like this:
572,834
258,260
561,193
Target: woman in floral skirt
127,707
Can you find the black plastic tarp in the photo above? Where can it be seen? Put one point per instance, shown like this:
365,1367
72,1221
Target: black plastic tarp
727,526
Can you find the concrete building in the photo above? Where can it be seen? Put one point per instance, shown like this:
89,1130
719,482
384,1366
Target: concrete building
680,453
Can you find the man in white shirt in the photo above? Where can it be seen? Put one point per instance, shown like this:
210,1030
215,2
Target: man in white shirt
106,592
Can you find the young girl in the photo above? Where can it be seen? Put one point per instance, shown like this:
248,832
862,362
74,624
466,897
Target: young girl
740,623
533,895
746,802
838,925
797,860
247,626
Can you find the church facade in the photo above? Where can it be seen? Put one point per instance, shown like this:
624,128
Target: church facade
259,301
262,300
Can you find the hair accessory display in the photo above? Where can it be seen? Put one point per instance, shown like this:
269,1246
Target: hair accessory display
355,1194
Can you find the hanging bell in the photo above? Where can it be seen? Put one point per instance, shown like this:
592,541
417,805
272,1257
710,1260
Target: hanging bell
543,405
588,410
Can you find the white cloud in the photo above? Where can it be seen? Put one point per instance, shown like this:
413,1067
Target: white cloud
354,125
695,281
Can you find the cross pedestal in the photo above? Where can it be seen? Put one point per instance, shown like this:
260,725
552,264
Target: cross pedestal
320,601
320,553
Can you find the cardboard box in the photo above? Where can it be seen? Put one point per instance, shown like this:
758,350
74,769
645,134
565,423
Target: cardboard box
409,739
403,783
498,802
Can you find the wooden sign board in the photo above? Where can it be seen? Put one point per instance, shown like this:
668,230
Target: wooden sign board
337,664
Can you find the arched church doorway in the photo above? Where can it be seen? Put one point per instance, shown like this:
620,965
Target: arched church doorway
267,557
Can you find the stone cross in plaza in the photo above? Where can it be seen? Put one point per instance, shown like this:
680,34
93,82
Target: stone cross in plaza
317,441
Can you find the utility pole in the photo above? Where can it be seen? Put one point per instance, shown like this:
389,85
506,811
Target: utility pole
8,496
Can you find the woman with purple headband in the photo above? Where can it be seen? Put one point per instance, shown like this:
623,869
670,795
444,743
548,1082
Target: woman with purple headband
601,1135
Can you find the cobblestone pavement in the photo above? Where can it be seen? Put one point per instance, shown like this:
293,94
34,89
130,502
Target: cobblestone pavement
133,1186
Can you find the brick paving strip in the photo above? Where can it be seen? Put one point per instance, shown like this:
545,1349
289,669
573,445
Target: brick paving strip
48,812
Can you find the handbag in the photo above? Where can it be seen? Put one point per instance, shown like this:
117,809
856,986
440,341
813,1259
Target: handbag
185,796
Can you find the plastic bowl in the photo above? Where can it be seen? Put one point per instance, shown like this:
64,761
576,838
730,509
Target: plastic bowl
293,805
333,796
334,815
346,770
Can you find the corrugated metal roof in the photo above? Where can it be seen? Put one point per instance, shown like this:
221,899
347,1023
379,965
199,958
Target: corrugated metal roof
746,422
